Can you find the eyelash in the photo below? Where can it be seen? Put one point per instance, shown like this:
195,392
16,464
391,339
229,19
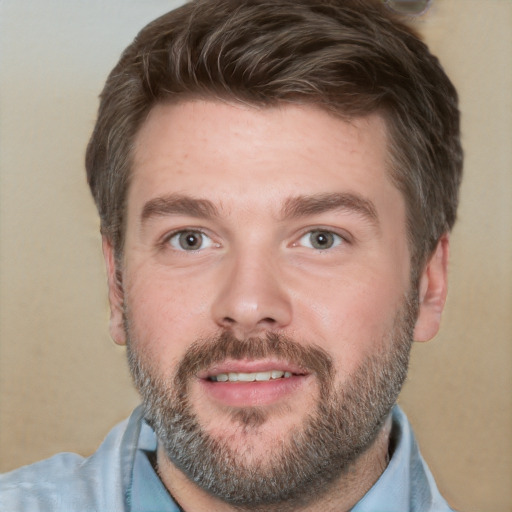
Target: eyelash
342,237
330,238
338,239
166,241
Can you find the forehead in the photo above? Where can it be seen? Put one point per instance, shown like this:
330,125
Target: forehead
236,150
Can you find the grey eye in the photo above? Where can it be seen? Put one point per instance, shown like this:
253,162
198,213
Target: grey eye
320,239
190,240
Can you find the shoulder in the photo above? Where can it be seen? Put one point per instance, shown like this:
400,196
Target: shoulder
40,486
68,482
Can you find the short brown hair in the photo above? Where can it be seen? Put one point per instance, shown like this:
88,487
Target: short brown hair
350,57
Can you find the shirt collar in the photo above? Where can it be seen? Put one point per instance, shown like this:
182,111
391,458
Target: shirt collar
393,489
145,491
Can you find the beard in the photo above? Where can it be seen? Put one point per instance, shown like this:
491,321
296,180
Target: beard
305,462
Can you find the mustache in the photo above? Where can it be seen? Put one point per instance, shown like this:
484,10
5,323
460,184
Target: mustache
203,354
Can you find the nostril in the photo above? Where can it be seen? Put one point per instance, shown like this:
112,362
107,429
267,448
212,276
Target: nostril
228,321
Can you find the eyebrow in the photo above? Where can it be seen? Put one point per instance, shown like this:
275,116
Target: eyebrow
302,206
177,204
294,207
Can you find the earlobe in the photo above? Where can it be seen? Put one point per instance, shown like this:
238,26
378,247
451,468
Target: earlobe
433,288
115,293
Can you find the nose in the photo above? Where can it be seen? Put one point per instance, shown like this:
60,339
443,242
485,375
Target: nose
252,297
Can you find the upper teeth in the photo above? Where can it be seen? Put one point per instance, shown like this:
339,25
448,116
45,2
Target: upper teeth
250,377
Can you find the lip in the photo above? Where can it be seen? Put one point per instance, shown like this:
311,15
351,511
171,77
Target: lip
251,366
251,394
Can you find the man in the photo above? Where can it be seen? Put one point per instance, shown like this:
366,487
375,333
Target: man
276,182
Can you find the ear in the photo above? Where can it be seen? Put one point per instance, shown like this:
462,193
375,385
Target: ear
433,287
115,293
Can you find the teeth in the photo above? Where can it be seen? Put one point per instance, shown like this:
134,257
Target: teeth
247,377
250,377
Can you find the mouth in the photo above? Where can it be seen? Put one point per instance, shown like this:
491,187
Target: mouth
250,377
252,383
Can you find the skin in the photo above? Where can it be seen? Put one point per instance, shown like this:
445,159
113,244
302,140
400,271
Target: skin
256,270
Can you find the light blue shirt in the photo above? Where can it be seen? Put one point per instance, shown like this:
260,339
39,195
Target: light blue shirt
120,478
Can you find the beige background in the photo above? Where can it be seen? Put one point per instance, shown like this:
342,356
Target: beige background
63,383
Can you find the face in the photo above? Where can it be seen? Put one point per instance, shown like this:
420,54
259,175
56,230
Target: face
265,289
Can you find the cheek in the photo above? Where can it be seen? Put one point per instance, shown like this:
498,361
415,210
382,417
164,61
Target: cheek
165,314
350,316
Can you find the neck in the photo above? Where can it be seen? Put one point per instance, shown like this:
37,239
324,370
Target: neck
341,497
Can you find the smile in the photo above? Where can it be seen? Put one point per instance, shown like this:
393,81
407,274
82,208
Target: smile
250,377
251,383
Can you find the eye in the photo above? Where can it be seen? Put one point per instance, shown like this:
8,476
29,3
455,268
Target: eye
190,240
320,239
